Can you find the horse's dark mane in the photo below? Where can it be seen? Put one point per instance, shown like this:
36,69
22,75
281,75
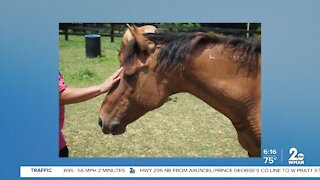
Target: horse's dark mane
177,48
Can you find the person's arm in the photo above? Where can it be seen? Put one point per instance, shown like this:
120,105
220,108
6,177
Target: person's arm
75,95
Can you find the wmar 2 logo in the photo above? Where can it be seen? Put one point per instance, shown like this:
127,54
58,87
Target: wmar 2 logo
296,157
132,171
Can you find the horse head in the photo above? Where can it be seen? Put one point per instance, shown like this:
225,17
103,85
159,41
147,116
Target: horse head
140,89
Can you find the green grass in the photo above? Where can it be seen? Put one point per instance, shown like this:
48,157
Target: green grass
182,127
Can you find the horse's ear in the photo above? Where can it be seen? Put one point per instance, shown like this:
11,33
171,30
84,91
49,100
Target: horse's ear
144,44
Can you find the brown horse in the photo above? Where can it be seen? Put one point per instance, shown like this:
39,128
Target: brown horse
222,71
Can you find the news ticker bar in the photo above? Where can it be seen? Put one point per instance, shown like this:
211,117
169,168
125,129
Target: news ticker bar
168,171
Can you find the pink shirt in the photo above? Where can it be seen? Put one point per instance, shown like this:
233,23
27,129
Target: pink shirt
62,87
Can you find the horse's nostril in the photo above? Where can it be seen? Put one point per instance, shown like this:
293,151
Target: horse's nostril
100,122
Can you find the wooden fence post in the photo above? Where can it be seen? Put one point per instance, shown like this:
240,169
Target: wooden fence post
66,34
112,33
248,29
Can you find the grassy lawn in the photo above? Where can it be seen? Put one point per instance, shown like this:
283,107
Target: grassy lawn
182,127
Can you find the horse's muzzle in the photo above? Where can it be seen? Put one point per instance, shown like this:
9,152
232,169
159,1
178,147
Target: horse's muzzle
114,127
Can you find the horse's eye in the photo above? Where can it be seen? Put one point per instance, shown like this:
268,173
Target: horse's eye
129,75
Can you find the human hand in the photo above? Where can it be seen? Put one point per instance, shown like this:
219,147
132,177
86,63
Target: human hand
110,81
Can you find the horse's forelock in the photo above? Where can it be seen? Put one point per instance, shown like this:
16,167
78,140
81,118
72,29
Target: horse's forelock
130,51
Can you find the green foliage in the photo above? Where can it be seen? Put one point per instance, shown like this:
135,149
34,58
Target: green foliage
258,36
179,27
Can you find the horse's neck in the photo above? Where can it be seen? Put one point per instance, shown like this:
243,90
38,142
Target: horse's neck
221,85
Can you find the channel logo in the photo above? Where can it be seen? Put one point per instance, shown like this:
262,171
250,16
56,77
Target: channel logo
296,158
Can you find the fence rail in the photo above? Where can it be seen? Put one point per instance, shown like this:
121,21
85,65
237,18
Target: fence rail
117,29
